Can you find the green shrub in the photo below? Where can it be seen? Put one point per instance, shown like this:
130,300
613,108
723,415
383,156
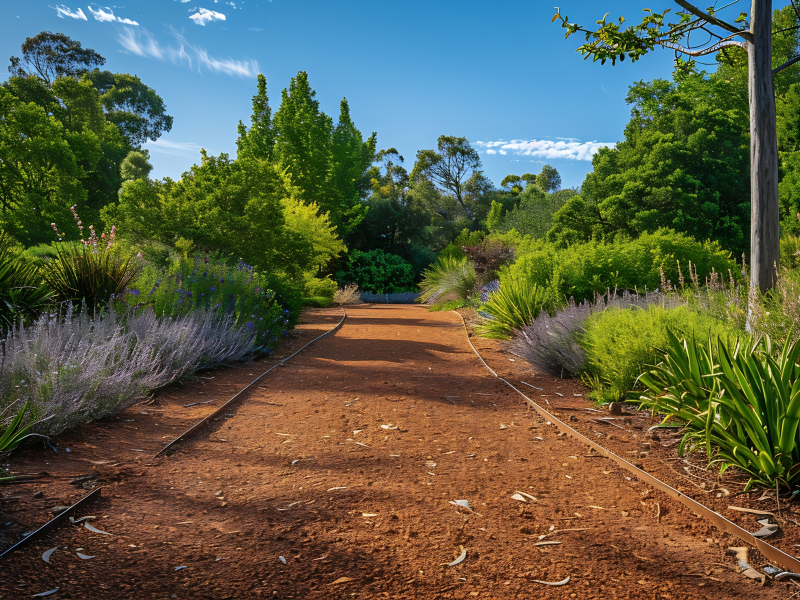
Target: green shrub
514,305
619,343
790,251
324,288
584,270
448,305
317,301
203,283
448,277
378,272
739,401
455,249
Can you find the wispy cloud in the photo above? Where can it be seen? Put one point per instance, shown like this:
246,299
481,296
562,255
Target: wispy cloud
104,13
64,11
143,43
175,148
202,16
568,148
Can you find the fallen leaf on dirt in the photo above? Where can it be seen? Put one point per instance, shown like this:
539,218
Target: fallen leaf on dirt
46,593
91,527
502,426
429,473
460,559
451,452
46,556
461,503
84,556
751,510
341,580
336,488
741,554
430,465
518,497
181,567
285,434
282,559
75,521
568,476
553,583
597,507
184,523
369,514
552,543
355,431
767,528
526,495
360,444
295,461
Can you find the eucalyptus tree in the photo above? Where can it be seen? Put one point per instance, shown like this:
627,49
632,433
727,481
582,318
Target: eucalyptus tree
750,31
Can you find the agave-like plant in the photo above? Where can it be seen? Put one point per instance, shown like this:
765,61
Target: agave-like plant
738,400
88,277
22,296
513,306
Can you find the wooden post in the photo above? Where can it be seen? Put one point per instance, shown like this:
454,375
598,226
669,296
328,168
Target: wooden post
765,216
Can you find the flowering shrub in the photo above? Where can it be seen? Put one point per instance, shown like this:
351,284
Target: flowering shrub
74,368
205,284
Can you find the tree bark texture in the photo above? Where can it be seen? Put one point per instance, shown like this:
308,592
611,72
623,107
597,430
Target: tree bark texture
765,217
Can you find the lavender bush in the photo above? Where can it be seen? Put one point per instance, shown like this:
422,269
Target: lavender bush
551,343
78,368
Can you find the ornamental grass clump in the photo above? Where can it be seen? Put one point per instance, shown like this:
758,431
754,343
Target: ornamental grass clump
450,278
75,369
739,400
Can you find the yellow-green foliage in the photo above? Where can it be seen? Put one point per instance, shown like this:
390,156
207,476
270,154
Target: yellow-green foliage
619,342
323,288
584,270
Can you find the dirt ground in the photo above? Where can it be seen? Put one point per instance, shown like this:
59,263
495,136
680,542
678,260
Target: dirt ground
335,476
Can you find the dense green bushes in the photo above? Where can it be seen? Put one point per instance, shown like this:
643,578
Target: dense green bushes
620,342
584,270
378,272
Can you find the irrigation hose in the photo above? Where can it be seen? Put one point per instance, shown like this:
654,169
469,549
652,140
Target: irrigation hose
222,408
786,561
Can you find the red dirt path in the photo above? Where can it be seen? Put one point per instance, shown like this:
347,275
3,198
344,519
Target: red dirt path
302,468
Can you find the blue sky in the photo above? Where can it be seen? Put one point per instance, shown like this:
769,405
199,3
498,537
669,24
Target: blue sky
499,73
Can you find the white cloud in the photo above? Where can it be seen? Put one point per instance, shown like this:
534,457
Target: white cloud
571,149
202,16
143,43
175,148
106,14
63,11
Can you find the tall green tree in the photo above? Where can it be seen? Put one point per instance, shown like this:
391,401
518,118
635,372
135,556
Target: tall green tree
683,164
49,56
40,174
450,166
750,31
259,139
136,109
326,162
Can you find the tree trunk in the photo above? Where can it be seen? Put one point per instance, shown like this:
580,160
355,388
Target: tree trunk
765,218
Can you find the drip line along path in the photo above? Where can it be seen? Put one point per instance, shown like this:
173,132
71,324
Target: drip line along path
333,478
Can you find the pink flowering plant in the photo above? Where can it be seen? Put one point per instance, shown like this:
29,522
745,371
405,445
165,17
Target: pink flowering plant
87,274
